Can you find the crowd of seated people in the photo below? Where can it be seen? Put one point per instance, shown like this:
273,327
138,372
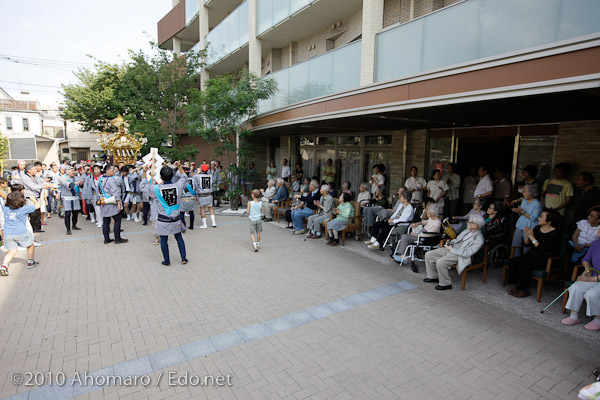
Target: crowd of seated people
532,215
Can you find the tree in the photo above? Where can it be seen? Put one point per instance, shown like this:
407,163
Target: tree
150,91
220,112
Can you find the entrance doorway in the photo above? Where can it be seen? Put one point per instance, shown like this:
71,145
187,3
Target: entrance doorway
493,152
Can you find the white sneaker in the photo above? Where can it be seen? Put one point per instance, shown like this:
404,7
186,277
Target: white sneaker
203,226
3,248
37,244
128,217
93,220
255,247
186,214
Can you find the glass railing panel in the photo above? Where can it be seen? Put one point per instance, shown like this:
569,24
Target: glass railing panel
281,10
453,34
332,72
192,7
298,84
511,25
272,12
230,35
346,67
297,5
476,29
578,18
265,15
398,51
320,70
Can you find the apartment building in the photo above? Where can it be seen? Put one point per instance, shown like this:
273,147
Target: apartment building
409,82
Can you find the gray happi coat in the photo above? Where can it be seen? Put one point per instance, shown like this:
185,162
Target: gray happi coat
172,192
188,200
87,193
112,188
68,194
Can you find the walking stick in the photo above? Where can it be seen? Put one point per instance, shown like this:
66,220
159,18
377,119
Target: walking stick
554,301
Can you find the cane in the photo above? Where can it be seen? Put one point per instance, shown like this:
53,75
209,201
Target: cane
554,301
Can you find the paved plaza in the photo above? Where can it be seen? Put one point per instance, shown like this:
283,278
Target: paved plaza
296,320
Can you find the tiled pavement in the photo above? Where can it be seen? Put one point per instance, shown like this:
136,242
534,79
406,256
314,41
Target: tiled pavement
92,306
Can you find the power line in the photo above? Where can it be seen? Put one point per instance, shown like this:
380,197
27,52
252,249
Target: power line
32,84
46,60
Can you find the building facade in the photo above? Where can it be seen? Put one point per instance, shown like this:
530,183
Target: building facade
409,82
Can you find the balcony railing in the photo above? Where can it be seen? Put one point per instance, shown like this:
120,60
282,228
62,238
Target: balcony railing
171,23
230,35
332,72
192,7
477,29
272,12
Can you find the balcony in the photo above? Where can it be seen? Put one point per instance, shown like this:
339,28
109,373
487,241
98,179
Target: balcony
181,22
229,37
480,29
335,71
282,21
170,25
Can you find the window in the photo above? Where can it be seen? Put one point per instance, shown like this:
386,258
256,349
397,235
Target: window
25,124
379,140
349,140
9,123
22,149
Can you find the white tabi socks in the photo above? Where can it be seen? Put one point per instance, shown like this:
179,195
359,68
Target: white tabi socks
214,223
203,226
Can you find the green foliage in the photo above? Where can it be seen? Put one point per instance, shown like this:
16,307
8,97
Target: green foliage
3,149
150,91
220,112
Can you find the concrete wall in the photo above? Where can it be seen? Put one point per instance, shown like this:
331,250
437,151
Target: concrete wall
416,150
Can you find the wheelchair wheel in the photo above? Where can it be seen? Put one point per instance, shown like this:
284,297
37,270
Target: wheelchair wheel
497,255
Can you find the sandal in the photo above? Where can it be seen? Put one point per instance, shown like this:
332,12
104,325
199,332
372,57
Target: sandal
156,242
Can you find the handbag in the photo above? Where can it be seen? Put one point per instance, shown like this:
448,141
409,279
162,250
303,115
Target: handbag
448,229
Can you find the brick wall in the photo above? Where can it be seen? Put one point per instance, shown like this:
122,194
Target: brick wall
416,147
391,12
259,156
351,28
395,172
275,60
450,2
578,144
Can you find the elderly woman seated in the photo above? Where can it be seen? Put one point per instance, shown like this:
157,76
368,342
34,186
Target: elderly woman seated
268,194
455,252
544,243
585,234
426,228
363,196
325,207
478,209
587,288
344,211
493,220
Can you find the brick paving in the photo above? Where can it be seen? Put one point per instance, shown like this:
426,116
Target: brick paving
91,306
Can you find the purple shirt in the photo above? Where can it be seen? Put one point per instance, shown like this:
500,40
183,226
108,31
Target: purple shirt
593,256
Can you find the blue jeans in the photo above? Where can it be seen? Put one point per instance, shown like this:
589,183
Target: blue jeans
297,216
164,246
517,240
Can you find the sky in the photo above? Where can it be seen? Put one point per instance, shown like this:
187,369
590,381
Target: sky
58,34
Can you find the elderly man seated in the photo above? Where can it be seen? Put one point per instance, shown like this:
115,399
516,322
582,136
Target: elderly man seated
403,215
280,195
382,213
325,207
309,208
455,252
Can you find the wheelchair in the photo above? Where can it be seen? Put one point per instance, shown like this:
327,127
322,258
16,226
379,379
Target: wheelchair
417,250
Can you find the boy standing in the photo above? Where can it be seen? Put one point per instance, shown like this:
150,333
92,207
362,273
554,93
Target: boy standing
255,211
